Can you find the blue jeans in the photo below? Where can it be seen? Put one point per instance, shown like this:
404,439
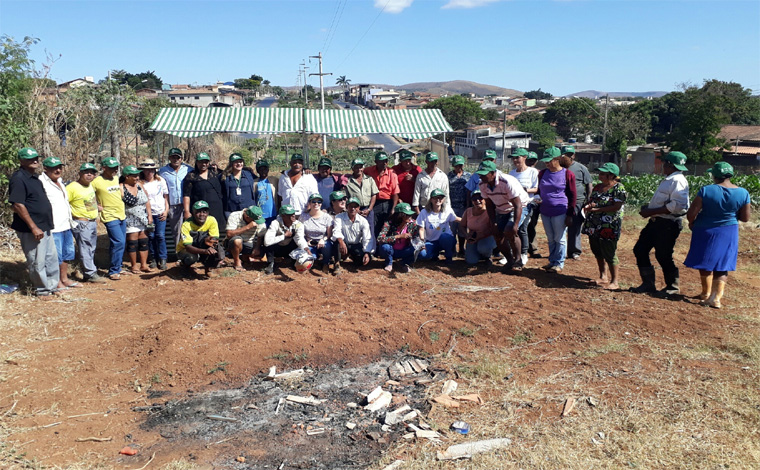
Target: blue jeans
157,240
555,232
388,253
117,235
483,249
522,229
326,251
445,242
64,245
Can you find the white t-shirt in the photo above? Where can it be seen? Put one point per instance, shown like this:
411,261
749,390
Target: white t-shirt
316,228
436,223
156,190
528,179
236,221
298,195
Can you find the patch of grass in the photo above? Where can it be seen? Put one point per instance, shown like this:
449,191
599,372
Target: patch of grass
180,465
155,379
220,367
434,336
228,272
466,331
612,346
280,356
301,357
486,366
521,338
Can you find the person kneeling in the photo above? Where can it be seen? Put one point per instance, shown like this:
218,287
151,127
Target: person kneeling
396,237
245,235
476,228
284,235
200,240
351,232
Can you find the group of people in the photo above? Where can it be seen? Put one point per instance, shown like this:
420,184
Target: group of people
402,213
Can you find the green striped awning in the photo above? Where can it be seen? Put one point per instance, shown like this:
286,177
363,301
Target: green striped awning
340,123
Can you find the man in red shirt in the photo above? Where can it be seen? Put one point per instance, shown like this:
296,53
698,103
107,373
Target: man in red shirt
387,184
406,172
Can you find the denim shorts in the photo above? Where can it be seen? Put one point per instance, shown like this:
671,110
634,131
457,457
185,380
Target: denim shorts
64,244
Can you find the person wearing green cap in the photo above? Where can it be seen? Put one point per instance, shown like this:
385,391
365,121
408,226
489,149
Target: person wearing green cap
535,214
363,188
84,212
603,223
237,185
583,182
327,181
430,179
204,184
714,218
352,234
174,174
460,197
388,190
557,190
295,186
396,238
139,219
317,229
33,223
477,229
200,240
665,212
62,235
284,235
112,214
474,182
528,178
245,235
406,173
263,192
158,196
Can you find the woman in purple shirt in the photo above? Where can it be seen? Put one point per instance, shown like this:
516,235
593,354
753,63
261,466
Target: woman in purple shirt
556,186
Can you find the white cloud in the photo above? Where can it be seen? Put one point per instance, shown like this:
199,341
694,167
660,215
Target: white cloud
393,6
467,3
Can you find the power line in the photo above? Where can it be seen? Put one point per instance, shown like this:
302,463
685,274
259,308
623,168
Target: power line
329,30
365,33
337,23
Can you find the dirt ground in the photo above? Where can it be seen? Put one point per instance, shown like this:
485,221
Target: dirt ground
178,348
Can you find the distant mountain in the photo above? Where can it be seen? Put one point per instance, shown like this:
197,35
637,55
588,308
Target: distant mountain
618,94
453,87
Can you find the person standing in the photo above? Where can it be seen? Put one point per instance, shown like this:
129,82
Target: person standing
460,196
263,192
139,219
174,174
64,239
714,218
364,189
112,214
582,189
665,212
388,191
33,223
556,187
535,213
528,178
158,196
204,184
327,181
474,182
430,179
84,211
406,173
295,187
237,185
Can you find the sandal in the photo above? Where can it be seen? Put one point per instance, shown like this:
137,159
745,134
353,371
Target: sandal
239,268
114,277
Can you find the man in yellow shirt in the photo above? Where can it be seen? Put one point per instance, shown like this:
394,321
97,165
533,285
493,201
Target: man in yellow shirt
111,207
200,240
84,211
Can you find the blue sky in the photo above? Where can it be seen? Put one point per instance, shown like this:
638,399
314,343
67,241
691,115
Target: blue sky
560,46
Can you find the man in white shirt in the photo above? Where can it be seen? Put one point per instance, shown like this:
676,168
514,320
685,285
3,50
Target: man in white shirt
295,187
353,235
62,234
284,235
665,211
245,235
528,178
430,179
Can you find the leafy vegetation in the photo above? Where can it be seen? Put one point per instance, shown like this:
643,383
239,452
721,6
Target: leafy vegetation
138,81
641,188
538,94
459,111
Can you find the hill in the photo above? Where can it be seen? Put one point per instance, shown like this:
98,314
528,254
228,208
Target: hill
618,94
453,87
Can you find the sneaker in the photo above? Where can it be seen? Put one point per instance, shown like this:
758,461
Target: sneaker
338,270
405,268
269,269
576,256
95,279
388,268
502,261
162,265
524,259
152,264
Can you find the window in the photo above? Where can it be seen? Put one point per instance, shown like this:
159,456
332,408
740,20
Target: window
174,98
197,97
182,97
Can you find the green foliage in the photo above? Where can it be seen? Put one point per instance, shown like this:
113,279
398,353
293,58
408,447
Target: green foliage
573,117
252,83
138,81
541,131
627,125
459,111
641,188
538,94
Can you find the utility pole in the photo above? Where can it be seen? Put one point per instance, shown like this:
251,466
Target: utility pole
504,139
604,131
305,89
322,93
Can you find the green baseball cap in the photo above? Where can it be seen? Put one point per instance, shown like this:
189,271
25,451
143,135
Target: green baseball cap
110,162
262,163
235,157
357,161
337,195
315,196
256,214
431,157
437,193
131,170
324,161
568,149
27,153
287,209
475,194
381,157
722,170
203,156
200,205
457,160
532,156
405,155
52,162
404,208
354,200
87,167
551,153
609,167
486,166
489,155
296,157
677,159
175,151
519,153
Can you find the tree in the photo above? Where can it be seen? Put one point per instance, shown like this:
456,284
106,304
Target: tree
538,94
138,81
573,117
459,111
343,82
627,125
533,122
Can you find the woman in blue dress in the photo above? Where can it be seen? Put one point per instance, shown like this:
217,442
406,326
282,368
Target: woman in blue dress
714,218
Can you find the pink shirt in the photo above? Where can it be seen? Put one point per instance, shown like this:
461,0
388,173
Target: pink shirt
505,189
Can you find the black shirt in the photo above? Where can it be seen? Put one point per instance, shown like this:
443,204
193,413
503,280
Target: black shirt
209,190
26,189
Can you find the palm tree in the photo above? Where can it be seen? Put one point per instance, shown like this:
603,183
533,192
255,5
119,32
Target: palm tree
344,82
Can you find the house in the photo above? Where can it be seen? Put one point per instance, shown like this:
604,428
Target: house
379,96
196,97
743,141
77,82
475,140
148,93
